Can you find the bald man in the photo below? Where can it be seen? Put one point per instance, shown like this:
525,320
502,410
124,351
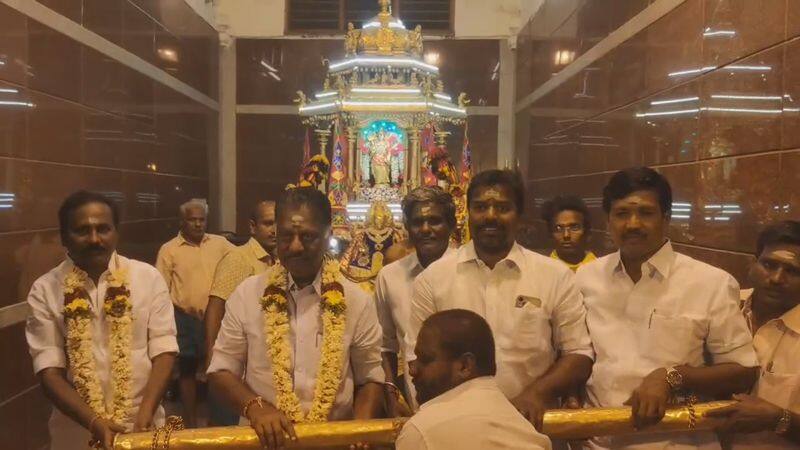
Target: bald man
461,405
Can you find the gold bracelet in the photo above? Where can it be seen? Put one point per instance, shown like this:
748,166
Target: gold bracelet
255,400
692,400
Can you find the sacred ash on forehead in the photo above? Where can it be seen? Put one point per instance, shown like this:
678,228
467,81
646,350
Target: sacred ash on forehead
785,254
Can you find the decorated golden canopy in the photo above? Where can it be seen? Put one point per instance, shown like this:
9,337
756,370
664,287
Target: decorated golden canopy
383,72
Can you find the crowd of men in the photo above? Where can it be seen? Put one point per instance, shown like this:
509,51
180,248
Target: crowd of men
474,343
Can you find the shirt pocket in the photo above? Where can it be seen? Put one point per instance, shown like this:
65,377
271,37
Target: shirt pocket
531,329
674,340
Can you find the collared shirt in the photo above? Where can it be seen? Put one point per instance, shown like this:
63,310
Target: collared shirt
241,262
678,311
189,269
474,415
394,289
574,267
241,340
153,332
529,300
777,345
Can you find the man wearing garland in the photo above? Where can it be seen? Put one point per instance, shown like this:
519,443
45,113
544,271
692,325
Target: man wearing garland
310,338
101,332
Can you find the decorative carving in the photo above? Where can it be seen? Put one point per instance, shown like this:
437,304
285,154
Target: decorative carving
414,41
351,39
326,85
427,86
463,101
301,99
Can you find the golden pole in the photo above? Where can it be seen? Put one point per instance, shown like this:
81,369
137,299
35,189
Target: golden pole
352,134
322,138
413,177
558,424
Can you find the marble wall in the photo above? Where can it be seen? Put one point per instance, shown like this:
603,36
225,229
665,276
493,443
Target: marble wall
709,94
74,118
270,71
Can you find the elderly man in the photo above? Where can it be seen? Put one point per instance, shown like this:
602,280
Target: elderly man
252,258
771,416
430,218
309,337
94,302
568,220
462,406
188,263
663,325
530,301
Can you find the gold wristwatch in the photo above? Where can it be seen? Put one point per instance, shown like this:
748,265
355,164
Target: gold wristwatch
784,423
674,379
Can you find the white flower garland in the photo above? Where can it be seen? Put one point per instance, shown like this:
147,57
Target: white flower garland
274,303
78,320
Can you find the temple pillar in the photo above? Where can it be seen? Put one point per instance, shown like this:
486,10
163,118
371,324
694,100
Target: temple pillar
413,166
322,138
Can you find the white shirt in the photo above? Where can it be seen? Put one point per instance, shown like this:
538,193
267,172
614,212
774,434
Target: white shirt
530,302
153,334
474,415
241,340
679,310
394,289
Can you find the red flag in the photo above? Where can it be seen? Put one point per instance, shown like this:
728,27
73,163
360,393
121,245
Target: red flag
427,150
306,151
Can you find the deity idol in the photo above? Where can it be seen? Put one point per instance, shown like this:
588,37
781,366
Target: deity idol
380,158
364,258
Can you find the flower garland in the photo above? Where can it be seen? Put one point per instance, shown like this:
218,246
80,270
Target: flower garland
78,320
274,303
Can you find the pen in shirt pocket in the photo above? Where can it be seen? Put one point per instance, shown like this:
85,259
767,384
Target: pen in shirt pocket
650,322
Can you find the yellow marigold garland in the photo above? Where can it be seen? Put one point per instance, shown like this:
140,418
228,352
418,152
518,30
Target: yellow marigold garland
78,320
274,303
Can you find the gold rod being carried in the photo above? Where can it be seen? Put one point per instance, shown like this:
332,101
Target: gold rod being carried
561,424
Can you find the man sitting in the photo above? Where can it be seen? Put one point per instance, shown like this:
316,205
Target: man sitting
462,406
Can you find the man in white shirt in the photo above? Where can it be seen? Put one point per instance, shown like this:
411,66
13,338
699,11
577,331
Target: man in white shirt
663,324
771,416
530,301
430,218
279,386
88,224
462,407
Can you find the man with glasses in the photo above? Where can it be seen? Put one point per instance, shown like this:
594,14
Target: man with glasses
568,220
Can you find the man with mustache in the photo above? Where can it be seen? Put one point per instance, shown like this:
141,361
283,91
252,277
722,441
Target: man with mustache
771,415
430,218
529,300
88,225
568,220
188,263
252,258
664,326
463,408
286,359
